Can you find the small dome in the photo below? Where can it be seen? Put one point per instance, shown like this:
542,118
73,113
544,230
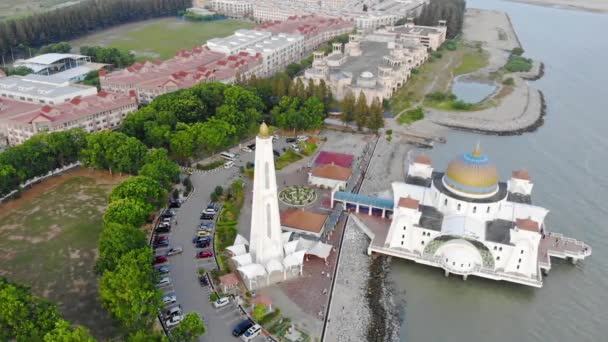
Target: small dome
264,131
367,74
472,174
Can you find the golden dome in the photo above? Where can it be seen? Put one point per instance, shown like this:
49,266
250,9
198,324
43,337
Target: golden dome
264,131
472,173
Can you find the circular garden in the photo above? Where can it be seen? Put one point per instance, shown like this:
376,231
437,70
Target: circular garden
298,195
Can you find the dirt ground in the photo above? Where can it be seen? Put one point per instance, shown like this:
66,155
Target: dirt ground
48,240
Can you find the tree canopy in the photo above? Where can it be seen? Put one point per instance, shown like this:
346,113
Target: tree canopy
189,329
115,241
113,151
127,211
142,188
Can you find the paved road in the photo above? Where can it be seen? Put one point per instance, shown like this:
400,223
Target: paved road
184,267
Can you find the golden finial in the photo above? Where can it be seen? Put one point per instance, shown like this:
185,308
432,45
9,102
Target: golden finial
264,132
477,151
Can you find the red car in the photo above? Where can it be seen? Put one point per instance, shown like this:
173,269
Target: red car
160,259
204,254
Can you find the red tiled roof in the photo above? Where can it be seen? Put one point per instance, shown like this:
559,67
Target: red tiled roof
527,224
46,109
76,101
261,299
423,159
408,202
103,93
332,171
521,174
344,160
229,279
303,220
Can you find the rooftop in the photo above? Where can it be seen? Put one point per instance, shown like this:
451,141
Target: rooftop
499,231
502,191
229,279
50,58
423,159
303,220
409,203
376,202
40,85
332,171
326,157
521,174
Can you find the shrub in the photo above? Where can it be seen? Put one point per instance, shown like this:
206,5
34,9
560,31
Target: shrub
214,297
450,45
202,271
389,132
509,81
436,54
414,71
439,96
517,51
259,311
461,105
518,64
210,166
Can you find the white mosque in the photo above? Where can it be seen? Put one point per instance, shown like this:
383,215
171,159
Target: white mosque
273,256
464,221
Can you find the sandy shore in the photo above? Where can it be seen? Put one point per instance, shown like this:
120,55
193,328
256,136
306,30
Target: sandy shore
600,6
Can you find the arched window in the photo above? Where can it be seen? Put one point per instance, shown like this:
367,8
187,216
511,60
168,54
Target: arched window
498,258
404,227
517,266
522,252
474,210
445,201
267,176
488,210
458,207
519,260
403,236
268,229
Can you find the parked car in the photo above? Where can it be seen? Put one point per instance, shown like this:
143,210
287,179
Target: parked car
251,147
276,153
213,206
164,281
207,224
203,244
207,217
295,147
161,244
169,299
163,229
173,203
168,213
203,280
163,269
199,239
301,138
160,259
161,238
209,211
246,149
276,137
251,333
175,250
221,302
290,140
174,321
242,327
203,233
174,311
204,254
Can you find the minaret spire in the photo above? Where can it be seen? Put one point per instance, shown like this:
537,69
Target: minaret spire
477,151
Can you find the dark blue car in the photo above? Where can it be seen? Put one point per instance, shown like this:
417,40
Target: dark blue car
242,328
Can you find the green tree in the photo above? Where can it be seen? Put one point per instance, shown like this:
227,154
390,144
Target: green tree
376,118
218,190
134,124
146,336
313,112
216,133
259,311
159,167
182,144
127,211
361,111
9,180
157,135
190,328
129,292
116,240
113,151
348,107
141,188
63,332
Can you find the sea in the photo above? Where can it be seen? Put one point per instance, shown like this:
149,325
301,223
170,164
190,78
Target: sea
567,160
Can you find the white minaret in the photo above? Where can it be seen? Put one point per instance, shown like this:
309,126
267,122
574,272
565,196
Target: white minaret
265,236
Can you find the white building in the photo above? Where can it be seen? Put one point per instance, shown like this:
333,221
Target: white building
50,63
232,8
42,89
467,222
330,176
430,36
239,41
279,51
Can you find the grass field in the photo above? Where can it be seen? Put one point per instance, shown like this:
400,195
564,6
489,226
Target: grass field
19,8
48,240
160,38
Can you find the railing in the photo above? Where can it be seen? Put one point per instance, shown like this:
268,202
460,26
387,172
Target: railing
38,179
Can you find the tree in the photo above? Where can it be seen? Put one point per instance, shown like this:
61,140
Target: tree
215,134
134,124
116,240
218,190
9,180
293,69
63,332
142,188
517,51
376,119
259,311
286,114
184,104
182,144
313,112
129,292
361,111
190,328
159,167
348,107
66,145
127,211
113,151
146,336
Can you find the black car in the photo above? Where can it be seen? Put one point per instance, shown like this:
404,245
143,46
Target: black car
290,140
207,216
276,153
163,229
174,203
203,280
201,238
252,147
203,244
242,327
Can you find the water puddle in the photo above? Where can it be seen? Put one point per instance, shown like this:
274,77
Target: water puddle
472,90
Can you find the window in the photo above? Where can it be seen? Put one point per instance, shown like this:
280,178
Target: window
474,210
494,247
453,263
517,266
488,210
401,243
500,249
267,175
422,242
404,227
498,258
445,201
446,259
519,260
403,236
522,252
458,207
268,229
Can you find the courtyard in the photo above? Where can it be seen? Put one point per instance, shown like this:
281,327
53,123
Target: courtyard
48,240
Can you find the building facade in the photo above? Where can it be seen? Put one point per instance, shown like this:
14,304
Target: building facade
19,121
232,8
430,36
41,89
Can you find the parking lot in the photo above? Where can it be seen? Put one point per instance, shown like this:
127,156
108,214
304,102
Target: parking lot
190,295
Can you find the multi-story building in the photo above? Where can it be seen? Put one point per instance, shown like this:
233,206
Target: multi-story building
315,29
430,36
20,120
376,68
41,89
232,8
279,51
237,42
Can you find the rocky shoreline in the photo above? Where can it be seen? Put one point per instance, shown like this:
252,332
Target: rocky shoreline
384,322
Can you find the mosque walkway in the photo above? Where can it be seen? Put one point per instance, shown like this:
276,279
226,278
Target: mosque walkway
560,246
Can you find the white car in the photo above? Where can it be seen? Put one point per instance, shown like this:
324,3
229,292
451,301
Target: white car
246,149
221,302
276,137
176,311
228,164
169,299
300,138
251,333
174,320
164,281
209,211
175,250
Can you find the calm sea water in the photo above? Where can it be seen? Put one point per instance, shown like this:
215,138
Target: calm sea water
471,91
567,159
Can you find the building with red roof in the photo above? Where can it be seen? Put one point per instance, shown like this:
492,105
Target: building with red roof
341,159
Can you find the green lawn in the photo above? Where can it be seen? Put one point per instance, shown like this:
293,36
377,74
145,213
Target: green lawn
20,8
48,240
472,60
290,156
161,38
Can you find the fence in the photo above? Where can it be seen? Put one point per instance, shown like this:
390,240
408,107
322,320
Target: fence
35,180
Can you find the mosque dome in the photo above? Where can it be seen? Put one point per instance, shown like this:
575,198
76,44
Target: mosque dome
472,175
